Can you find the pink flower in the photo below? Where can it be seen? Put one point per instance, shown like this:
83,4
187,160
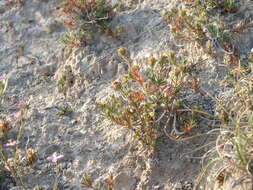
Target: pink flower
2,77
17,116
11,143
22,104
54,158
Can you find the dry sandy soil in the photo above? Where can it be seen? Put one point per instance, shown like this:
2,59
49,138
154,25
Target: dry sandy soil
34,59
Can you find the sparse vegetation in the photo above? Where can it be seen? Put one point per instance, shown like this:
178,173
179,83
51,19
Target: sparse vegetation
198,24
150,100
11,158
62,83
3,84
195,25
234,143
152,93
88,183
64,110
84,18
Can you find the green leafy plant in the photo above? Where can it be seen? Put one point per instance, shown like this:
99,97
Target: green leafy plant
188,25
74,39
62,83
229,6
3,84
85,17
87,182
64,110
152,93
196,24
2,88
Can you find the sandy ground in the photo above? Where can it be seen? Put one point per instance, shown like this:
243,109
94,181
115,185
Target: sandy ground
33,59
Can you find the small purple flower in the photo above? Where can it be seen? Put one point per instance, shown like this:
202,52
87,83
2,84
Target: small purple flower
11,143
2,77
54,158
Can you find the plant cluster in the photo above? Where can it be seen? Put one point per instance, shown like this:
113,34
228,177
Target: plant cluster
66,80
84,18
195,24
239,122
12,158
187,25
229,6
62,83
234,143
151,95
3,84
87,182
235,137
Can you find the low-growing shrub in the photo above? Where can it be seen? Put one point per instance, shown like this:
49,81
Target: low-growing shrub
196,23
85,18
207,5
151,96
229,6
186,24
87,182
